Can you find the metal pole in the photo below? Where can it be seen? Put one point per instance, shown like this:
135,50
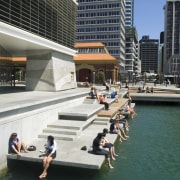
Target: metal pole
93,78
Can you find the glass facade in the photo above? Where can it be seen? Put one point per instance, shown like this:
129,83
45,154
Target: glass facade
149,49
50,19
5,67
129,21
172,36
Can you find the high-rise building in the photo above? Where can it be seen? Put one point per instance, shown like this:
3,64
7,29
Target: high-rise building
129,15
149,54
103,21
42,31
132,62
171,64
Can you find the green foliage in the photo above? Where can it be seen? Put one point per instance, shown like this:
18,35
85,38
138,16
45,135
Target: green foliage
101,77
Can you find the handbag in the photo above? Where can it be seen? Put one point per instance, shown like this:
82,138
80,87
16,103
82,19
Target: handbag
31,148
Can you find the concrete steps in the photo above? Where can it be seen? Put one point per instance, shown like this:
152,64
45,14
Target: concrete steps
58,136
67,127
90,101
101,121
60,131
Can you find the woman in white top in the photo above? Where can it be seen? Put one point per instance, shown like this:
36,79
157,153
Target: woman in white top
51,147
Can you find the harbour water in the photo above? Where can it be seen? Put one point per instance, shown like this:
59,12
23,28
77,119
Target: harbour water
151,153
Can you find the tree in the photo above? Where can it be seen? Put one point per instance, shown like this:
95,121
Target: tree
101,77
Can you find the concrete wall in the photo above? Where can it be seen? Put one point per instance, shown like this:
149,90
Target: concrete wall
28,125
50,71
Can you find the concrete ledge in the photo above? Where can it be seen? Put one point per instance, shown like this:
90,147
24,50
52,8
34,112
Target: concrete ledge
82,112
69,153
156,97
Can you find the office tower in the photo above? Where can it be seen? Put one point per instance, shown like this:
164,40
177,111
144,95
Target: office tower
131,60
43,31
161,53
129,15
171,63
149,54
103,21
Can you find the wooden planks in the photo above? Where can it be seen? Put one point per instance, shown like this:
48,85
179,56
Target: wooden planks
113,108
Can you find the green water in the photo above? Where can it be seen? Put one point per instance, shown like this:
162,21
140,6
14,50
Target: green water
151,153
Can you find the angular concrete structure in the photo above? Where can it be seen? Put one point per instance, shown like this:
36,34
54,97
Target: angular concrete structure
50,71
43,32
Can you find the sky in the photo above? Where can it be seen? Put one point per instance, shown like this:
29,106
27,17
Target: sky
149,17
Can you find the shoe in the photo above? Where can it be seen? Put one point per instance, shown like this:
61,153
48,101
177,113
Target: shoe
42,150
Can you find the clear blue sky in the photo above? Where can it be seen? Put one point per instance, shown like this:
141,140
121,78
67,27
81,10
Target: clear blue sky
149,17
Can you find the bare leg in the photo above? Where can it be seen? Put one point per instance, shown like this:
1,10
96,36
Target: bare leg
112,154
46,163
23,147
125,136
121,137
109,164
19,146
113,150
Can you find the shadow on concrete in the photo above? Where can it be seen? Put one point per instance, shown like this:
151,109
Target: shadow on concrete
9,89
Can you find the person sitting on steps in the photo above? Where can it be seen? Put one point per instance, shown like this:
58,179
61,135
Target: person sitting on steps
114,129
50,155
97,148
130,110
122,120
15,145
108,144
93,93
102,100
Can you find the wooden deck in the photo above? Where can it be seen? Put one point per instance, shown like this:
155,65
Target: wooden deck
113,108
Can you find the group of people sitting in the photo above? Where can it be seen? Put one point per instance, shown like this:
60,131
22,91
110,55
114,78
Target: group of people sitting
102,98
16,146
102,146
147,89
100,143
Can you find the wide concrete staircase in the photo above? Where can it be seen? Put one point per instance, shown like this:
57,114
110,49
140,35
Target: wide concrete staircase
71,123
74,120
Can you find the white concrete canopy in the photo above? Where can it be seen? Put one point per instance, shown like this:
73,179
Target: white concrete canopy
46,60
18,42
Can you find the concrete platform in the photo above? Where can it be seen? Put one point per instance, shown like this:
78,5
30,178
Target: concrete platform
76,127
69,153
156,97
81,112
20,102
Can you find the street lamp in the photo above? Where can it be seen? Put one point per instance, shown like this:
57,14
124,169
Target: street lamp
94,77
133,74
